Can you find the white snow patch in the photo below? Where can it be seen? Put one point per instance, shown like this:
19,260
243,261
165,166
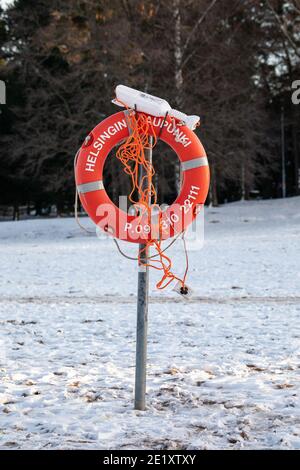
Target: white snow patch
223,369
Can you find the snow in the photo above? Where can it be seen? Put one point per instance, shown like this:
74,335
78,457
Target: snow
223,368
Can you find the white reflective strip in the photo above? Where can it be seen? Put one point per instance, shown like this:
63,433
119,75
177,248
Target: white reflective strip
195,163
88,187
142,268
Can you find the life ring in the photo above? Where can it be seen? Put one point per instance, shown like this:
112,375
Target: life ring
135,228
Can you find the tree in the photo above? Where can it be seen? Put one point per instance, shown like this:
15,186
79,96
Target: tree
207,57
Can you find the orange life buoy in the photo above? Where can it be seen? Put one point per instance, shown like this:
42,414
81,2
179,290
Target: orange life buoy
137,228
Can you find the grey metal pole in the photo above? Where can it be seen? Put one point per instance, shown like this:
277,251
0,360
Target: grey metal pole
142,318
283,181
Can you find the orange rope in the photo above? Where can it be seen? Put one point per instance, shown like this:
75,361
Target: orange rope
132,155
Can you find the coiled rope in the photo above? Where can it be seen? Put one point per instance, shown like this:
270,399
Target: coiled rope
132,156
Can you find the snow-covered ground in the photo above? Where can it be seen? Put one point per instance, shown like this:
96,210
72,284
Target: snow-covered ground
223,368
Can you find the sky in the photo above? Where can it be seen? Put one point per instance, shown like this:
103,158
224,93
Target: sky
3,3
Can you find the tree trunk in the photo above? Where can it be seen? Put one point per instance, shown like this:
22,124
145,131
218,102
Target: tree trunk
243,184
213,193
178,55
296,151
16,212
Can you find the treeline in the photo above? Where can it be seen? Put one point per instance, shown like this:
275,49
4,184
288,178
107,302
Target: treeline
231,61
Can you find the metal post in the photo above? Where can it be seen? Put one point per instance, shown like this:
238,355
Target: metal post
283,180
142,317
